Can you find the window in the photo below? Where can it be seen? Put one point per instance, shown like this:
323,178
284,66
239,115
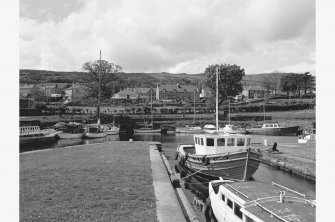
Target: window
223,198
237,211
196,140
202,141
210,142
266,125
271,125
221,142
229,203
240,141
231,142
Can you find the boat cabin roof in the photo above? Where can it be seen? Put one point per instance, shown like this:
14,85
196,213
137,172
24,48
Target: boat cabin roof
294,208
220,135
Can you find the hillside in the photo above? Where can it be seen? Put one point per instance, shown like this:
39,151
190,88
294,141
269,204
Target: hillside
135,79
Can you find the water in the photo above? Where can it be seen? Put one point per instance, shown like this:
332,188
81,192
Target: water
194,187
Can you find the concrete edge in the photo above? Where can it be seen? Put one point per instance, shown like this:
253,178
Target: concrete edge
167,205
184,203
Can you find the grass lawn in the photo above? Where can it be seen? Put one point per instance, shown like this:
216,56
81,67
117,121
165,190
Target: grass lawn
98,182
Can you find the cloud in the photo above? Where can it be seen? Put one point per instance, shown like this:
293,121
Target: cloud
175,36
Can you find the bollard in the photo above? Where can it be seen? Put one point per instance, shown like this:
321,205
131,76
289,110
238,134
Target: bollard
265,142
130,140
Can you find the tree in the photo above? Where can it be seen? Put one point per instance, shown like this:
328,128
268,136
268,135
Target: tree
107,75
230,77
294,83
37,94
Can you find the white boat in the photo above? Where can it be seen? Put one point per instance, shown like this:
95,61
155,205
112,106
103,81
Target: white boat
229,128
254,201
304,138
209,128
189,129
112,130
220,155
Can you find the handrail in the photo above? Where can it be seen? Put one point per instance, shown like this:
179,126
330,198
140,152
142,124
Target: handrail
269,211
29,130
288,189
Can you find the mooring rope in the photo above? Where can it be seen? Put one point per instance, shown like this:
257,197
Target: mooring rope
199,170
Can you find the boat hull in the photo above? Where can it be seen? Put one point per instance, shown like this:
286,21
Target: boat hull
147,130
70,135
189,130
36,139
229,165
95,135
282,131
112,132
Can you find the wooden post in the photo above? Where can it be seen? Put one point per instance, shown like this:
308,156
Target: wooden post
246,164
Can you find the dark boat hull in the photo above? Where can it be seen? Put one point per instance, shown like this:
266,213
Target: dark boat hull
282,131
234,166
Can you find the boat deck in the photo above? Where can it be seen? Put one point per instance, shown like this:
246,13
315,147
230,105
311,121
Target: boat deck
289,211
266,203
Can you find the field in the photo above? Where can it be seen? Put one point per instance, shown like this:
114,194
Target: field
102,182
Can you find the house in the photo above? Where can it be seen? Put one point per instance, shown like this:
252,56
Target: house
135,93
25,89
254,92
75,92
177,93
26,103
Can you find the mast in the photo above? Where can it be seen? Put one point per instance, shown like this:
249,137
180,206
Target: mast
99,97
229,111
194,106
152,119
264,112
217,98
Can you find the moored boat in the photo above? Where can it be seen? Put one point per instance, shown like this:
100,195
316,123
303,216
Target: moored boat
229,128
112,130
148,128
33,134
220,155
94,131
72,131
209,128
258,202
274,129
189,129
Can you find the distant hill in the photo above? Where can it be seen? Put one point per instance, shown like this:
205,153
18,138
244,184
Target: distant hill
131,80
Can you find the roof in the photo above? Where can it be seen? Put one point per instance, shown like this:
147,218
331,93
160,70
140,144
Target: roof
254,88
127,92
294,208
26,86
141,90
178,88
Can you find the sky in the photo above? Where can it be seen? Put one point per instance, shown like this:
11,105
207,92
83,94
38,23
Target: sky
176,36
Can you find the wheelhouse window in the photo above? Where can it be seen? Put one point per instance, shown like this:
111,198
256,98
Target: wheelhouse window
223,198
221,142
240,141
210,142
230,203
266,125
271,125
237,211
201,141
230,141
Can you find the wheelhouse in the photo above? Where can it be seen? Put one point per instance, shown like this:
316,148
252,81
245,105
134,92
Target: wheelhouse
218,143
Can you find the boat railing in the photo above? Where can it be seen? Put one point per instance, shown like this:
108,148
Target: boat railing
288,189
29,130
